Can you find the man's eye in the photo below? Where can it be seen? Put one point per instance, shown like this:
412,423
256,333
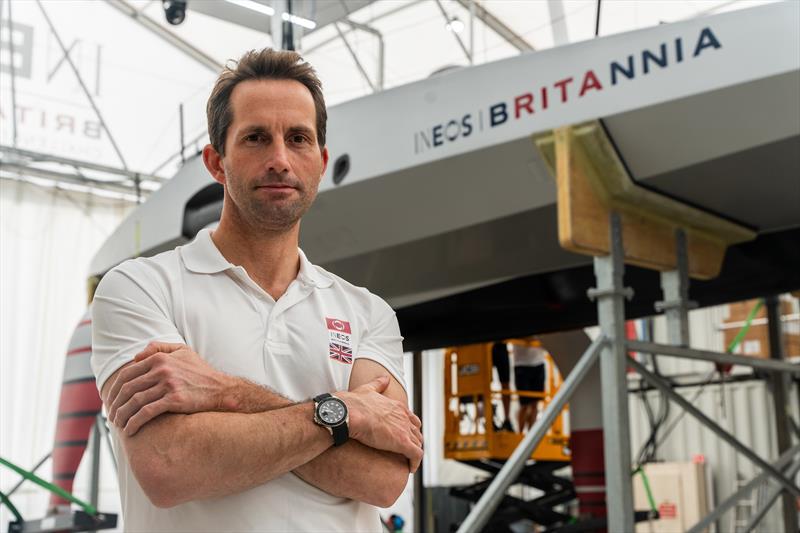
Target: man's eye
299,139
253,138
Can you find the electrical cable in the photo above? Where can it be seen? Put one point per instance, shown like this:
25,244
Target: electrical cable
647,490
710,377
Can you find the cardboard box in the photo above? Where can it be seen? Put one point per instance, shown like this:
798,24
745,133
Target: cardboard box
756,342
680,494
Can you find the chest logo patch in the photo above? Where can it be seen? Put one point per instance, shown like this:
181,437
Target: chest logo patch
340,347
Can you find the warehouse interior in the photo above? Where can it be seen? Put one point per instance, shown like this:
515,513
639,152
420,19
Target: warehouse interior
605,191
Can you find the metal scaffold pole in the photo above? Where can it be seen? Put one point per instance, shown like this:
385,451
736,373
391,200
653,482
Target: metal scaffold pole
610,294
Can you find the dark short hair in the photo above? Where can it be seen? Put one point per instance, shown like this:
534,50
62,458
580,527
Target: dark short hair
266,64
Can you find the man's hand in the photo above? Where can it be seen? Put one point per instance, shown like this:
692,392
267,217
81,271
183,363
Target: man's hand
164,377
383,423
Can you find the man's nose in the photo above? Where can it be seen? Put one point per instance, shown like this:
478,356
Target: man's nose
277,157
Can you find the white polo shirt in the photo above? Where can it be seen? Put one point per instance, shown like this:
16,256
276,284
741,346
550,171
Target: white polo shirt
301,345
525,355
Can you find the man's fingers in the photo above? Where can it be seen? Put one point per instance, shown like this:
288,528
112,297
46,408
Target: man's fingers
414,418
136,403
417,435
127,391
157,347
145,415
415,460
130,372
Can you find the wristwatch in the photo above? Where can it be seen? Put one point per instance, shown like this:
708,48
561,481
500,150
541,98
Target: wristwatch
330,412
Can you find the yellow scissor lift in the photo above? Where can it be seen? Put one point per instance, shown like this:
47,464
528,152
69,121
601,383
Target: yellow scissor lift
470,435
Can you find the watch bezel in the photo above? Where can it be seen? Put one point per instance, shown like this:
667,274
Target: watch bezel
322,422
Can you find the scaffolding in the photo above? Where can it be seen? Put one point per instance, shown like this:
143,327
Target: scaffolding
598,205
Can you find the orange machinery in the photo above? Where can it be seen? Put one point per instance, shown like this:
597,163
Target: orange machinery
469,432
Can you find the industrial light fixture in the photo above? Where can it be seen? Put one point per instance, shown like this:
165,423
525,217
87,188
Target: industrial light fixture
300,21
455,25
174,10
269,11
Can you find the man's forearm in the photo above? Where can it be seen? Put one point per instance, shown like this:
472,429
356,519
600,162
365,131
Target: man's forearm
358,472
178,458
353,471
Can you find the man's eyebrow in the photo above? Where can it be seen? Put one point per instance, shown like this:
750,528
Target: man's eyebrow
301,129
254,129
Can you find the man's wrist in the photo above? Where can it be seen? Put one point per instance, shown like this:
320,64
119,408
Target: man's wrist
354,421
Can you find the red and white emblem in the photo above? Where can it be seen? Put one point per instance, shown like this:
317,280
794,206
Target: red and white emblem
339,347
334,324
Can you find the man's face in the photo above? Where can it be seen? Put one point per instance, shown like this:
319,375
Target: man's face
272,163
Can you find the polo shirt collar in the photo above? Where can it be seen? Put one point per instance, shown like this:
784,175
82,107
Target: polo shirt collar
203,257
311,274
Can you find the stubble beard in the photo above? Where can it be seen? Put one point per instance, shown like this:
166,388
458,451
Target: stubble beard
257,212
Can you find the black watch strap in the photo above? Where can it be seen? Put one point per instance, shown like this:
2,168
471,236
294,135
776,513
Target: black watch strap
340,434
323,396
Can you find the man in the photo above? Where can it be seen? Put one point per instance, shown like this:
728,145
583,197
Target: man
208,356
500,362
529,376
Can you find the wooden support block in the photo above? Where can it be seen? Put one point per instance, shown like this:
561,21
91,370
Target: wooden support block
592,182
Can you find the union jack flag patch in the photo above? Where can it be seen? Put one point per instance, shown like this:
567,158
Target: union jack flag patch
343,354
339,335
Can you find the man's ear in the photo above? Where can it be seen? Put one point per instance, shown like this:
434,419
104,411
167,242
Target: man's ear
213,162
324,161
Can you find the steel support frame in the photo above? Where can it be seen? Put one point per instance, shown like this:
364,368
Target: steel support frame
39,157
480,514
665,387
778,389
82,84
381,48
767,504
447,21
676,303
714,357
496,25
169,37
110,186
730,501
610,294
353,54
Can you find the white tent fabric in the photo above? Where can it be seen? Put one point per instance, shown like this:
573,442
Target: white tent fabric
47,237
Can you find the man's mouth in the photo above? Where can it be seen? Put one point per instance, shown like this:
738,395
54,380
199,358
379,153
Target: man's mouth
277,187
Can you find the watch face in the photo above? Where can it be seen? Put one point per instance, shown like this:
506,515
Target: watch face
332,411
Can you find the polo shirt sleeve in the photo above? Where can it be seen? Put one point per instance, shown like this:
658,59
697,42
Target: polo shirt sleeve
382,342
130,309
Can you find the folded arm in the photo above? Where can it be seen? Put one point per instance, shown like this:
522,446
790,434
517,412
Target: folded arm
169,378
178,457
359,472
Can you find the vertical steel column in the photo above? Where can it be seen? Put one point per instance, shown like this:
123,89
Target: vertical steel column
610,294
420,509
779,397
94,483
100,422
675,287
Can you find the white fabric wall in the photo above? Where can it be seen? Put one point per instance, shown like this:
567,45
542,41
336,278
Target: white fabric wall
47,238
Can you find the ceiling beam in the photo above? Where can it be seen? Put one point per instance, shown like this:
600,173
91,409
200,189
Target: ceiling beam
184,46
497,25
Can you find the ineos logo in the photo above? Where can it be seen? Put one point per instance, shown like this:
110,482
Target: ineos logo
338,325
